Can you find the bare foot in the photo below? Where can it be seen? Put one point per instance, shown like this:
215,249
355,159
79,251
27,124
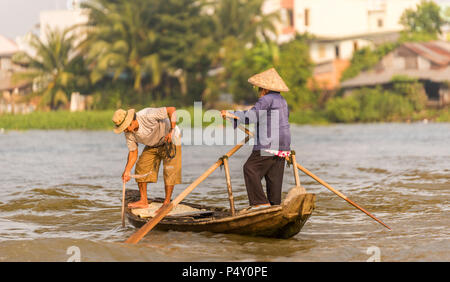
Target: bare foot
138,205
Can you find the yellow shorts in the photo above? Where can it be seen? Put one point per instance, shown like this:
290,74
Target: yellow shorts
150,160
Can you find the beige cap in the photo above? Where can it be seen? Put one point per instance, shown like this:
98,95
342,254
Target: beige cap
269,79
122,119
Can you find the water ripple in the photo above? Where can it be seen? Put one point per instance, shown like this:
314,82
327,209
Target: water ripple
398,172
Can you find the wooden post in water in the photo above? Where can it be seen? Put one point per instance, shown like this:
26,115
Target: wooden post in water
310,174
297,178
228,177
123,205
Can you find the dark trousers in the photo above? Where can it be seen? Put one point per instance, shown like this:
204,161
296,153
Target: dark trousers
269,167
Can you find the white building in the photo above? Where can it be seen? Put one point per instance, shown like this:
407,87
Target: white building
340,26
48,20
55,20
11,90
63,19
7,50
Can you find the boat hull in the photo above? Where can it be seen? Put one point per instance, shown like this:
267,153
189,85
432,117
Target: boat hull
283,221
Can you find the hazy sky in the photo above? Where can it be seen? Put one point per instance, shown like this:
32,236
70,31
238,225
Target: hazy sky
17,17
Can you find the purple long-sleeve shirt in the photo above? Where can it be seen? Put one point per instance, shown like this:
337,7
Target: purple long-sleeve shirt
271,115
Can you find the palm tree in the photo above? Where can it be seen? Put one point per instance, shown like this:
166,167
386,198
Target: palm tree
52,69
244,20
120,41
239,26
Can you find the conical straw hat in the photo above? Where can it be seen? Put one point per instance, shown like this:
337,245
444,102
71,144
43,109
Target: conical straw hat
269,79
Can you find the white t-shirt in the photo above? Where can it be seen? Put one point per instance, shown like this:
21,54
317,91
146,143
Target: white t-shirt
154,125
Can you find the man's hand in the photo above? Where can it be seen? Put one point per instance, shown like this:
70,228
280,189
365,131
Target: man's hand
226,114
168,138
126,176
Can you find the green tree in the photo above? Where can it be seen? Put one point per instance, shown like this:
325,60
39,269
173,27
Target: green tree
411,89
120,41
370,105
254,60
446,14
366,58
185,45
57,69
162,45
422,24
243,46
244,20
291,60
296,67
342,109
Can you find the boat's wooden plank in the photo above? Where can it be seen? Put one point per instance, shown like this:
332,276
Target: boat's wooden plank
194,214
282,221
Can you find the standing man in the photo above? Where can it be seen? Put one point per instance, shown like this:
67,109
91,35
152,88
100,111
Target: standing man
271,114
156,129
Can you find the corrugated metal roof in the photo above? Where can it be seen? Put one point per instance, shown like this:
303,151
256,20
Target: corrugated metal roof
430,51
443,45
437,52
373,78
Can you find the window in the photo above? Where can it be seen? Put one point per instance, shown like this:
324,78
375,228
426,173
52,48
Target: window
380,22
322,51
337,51
306,17
411,62
290,14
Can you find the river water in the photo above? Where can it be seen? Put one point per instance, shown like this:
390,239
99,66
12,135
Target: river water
61,191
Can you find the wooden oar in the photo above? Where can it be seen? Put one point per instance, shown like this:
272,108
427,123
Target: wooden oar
123,194
307,172
123,205
326,185
138,235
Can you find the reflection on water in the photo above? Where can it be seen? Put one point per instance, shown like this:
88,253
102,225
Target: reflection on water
63,188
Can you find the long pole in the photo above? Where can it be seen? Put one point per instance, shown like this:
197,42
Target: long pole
326,185
340,194
123,205
229,188
138,235
294,167
123,195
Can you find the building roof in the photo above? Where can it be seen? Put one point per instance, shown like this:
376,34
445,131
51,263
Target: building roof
7,46
372,78
437,52
7,82
375,37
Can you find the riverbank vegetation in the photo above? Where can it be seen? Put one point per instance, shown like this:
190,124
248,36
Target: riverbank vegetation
145,53
101,120
90,120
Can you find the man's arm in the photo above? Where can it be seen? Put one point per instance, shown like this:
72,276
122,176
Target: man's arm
250,116
173,122
132,158
172,116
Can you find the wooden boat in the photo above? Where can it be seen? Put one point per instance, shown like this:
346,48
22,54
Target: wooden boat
281,221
